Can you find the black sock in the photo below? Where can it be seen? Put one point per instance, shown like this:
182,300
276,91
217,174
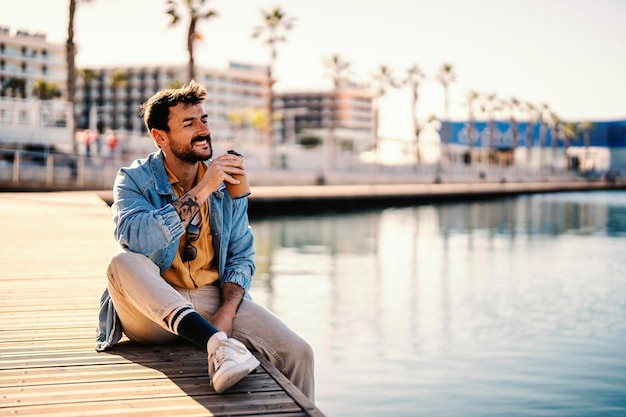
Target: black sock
190,325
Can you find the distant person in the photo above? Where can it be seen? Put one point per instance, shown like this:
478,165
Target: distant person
112,143
87,140
96,140
186,256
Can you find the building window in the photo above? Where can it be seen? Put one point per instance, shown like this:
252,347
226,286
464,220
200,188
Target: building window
23,118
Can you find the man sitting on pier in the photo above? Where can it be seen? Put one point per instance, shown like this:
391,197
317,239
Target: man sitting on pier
186,256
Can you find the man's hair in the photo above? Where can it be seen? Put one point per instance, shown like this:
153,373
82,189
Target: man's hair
156,110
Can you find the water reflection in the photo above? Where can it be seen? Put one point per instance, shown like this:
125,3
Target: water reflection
458,309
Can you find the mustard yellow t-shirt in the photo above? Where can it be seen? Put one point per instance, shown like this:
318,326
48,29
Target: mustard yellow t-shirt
201,271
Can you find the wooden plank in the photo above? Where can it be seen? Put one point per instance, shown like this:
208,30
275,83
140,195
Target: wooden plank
115,372
43,334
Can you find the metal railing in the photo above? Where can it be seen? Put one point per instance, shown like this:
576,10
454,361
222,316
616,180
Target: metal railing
42,170
51,171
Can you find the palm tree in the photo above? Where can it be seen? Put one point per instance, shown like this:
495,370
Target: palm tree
339,70
197,12
383,79
273,31
489,105
16,85
70,55
414,76
175,84
554,122
531,120
472,96
446,76
45,90
569,131
88,75
513,105
118,79
586,126
543,113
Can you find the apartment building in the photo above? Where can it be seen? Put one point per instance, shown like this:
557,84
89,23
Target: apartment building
27,57
348,113
110,98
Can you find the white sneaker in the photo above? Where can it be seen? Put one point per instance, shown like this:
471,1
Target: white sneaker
229,361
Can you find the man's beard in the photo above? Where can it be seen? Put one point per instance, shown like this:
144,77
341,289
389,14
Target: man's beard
189,154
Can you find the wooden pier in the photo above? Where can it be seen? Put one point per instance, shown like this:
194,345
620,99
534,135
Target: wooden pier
54,251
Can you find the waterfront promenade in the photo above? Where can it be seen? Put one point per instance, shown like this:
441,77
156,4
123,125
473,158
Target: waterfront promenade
311,199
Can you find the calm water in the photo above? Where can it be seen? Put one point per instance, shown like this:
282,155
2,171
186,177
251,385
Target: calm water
514,307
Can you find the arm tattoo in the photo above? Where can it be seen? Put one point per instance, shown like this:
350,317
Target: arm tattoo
187,208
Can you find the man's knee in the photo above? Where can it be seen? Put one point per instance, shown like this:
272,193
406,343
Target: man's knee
118,259
123,261
300,352
125,257
306,352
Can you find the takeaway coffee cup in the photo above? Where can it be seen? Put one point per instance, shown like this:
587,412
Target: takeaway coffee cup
243,188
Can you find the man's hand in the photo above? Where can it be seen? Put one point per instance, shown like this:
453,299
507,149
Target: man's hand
220,170
232,294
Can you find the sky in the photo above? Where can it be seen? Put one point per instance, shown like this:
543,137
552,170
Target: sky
568,54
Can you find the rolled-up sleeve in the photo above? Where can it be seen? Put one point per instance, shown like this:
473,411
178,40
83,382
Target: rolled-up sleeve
142,225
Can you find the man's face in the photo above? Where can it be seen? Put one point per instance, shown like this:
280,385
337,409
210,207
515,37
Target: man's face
189,137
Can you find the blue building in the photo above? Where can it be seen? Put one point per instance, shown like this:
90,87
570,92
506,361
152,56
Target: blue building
526,139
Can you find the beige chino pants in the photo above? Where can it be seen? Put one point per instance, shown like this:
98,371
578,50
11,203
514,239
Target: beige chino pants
142,300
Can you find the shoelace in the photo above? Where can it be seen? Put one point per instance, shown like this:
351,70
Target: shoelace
225,351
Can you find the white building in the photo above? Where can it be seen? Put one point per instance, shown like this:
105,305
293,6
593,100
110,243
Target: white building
25,59
348,114
109,99
116,105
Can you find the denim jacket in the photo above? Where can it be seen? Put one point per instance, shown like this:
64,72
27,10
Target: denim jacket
146,222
